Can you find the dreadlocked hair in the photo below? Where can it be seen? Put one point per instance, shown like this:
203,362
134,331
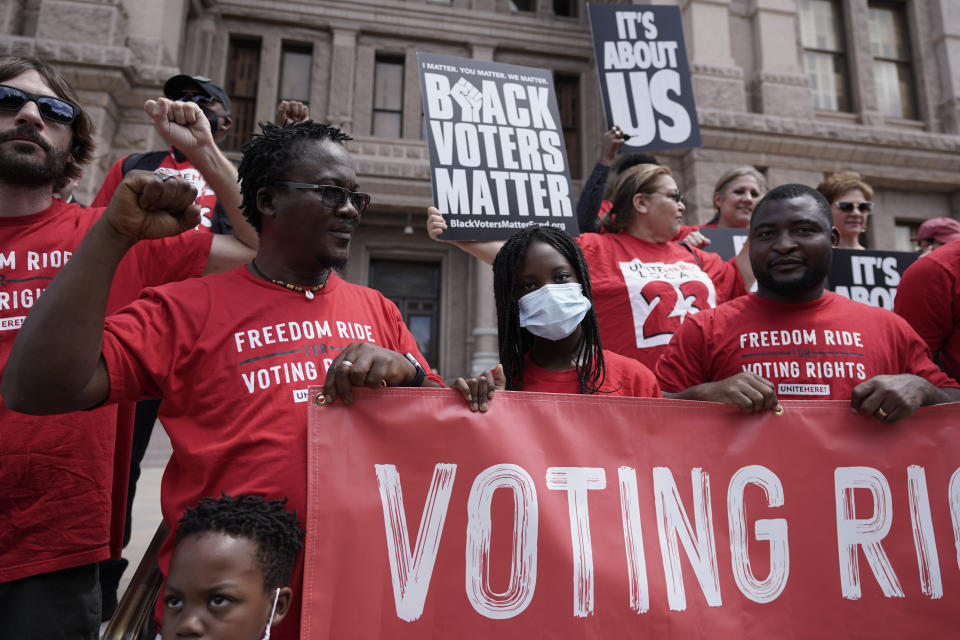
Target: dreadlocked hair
268,156
514,340
273,530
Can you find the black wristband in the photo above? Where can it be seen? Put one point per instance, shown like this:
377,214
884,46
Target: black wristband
419,377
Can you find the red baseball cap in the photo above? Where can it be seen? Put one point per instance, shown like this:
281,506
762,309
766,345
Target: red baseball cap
940,229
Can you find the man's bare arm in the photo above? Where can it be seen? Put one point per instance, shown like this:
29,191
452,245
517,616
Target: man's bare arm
55,364
183,125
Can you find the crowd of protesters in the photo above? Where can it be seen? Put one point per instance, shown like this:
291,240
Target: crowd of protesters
632,306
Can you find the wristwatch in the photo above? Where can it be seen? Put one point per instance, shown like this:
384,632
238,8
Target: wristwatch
420,375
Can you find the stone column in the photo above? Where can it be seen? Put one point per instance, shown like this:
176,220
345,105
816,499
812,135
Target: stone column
860,66
412,122
946,42
268,77
200,48
715,76
343,61
781,86
486,351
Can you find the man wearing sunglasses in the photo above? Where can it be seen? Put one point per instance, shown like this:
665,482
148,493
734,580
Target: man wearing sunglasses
58,516
929,293
232,355
215,106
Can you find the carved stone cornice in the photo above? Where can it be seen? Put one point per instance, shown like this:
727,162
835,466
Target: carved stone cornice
735,73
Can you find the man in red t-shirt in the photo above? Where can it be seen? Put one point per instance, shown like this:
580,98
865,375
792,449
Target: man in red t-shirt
215,106
794,340
231,356
61,505
929,299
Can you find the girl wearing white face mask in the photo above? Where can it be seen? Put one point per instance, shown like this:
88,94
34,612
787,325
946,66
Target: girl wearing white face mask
547,328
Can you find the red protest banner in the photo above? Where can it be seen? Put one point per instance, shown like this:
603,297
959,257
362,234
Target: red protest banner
558,516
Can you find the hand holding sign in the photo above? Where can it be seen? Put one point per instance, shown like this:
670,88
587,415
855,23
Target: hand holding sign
613,139
497,155
644,77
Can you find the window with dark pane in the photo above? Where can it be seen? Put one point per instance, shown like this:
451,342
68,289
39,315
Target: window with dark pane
415,288
565,8
523,5
568,102
296,66
388,98
892,60
243,72
824,54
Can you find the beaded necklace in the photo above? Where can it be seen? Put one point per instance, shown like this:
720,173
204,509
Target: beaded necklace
306,291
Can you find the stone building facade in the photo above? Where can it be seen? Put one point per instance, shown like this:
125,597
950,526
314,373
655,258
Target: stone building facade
798,88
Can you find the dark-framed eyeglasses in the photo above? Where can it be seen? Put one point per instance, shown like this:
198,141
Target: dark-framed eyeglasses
847,207
333,196
51,108
674,195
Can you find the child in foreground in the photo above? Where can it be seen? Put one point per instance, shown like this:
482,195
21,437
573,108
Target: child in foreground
547,327
230,570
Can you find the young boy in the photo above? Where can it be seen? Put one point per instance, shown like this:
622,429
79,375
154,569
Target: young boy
230,570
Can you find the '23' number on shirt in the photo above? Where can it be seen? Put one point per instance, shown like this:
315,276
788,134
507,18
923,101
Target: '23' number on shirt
661,296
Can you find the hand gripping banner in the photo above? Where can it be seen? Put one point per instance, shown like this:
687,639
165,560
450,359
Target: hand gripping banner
555,516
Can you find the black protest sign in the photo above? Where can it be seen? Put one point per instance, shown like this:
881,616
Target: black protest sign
497,158
726,242
644,76
870,277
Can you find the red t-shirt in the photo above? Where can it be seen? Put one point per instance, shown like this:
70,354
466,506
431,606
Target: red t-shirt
642,290
623,377
811,350
56,472
206,198
232,356
929,299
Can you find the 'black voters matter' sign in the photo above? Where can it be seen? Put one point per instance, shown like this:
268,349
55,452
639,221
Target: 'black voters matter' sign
644,77
497,157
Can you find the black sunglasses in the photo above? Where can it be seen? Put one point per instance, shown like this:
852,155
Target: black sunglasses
674,195
201,100
51,108
332,196
863,207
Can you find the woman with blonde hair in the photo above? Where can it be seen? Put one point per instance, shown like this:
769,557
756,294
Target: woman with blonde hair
737,191
644,283
850,203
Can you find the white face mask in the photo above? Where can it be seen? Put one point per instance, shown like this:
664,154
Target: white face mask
553,311
276,596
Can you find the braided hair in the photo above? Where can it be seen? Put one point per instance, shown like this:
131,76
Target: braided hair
269,155
273,530
514,340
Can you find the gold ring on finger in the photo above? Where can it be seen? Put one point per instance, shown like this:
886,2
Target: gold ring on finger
882,413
